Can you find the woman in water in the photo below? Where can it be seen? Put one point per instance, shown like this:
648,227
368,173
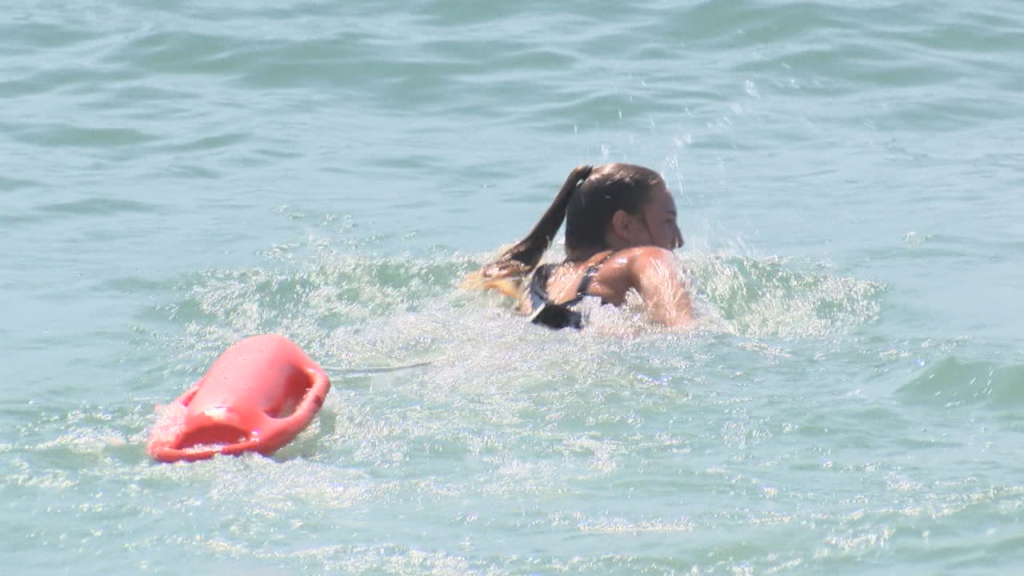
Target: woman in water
620,230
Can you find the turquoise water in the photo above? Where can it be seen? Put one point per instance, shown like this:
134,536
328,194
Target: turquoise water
177,177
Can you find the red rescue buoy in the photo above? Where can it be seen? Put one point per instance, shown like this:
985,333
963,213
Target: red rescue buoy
257,396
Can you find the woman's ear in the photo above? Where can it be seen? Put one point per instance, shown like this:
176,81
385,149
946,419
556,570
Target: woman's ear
620,226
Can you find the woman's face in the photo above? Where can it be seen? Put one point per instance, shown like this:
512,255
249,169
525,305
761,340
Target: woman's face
659,219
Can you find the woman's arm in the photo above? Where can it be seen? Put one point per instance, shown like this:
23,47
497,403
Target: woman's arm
655,276
507,273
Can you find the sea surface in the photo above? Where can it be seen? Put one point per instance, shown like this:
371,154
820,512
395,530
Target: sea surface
177,176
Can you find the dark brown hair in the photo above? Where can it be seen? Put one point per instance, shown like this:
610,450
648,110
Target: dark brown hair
586,202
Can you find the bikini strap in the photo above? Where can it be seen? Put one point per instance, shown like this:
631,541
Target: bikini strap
589,275
538,287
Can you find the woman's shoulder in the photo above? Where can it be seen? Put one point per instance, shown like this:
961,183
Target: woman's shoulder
653,272
639,257
635,261
641,265
630,268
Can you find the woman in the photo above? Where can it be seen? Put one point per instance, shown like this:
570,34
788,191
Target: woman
620,230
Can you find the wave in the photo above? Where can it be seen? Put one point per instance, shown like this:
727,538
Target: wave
953,381
765,297
358,311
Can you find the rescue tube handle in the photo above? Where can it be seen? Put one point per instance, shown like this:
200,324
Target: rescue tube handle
312,400
189,394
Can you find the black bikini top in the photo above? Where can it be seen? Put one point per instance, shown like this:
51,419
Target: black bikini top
563,314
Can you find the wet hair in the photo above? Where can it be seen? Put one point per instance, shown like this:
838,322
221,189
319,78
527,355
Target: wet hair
586,202
608,189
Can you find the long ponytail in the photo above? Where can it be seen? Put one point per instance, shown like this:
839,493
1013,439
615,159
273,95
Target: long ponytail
523,257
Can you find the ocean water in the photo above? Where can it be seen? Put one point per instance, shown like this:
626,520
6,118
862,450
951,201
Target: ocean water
177,176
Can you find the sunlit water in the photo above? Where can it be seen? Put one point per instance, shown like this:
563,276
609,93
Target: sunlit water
176,178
